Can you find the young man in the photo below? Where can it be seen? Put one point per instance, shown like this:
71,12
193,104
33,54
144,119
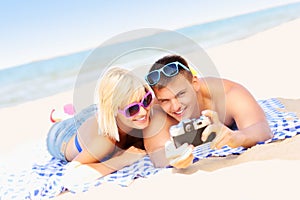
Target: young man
236,117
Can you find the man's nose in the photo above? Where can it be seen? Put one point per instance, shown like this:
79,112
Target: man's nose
175,104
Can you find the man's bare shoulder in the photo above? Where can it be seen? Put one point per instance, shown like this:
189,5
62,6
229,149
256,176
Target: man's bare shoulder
215,83
212,80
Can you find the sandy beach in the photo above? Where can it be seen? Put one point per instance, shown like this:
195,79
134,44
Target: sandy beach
266,64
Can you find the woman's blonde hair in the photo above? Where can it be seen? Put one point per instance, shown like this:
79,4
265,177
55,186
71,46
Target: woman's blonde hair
117,88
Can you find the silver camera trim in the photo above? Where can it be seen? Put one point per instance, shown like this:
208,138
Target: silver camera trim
190,124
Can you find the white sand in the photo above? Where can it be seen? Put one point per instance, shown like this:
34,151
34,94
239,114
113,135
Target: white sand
266,64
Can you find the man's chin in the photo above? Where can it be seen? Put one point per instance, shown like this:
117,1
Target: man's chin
182,117
177,117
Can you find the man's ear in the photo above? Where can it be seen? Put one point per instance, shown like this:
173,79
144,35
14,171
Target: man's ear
196,83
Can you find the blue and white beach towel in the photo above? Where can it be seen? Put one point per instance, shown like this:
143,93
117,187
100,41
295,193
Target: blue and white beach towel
43,180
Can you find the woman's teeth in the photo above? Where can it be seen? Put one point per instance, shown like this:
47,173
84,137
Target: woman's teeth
141,119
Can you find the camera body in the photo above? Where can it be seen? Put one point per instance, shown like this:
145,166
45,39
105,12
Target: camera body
190,131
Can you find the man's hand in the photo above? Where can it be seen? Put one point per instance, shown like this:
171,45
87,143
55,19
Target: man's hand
180,157
224,135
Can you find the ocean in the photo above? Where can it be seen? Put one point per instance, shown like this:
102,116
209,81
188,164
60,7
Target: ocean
47,77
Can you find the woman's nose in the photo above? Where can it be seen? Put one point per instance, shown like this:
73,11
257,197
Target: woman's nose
143,111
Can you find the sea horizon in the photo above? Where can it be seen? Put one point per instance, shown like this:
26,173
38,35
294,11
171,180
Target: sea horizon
43,78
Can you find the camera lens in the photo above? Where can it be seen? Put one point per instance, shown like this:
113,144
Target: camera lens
188,128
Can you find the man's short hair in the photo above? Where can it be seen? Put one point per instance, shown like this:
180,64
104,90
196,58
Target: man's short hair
164,80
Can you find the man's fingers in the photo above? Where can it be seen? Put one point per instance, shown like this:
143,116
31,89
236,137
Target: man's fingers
212,115
222,139
213,128
220,144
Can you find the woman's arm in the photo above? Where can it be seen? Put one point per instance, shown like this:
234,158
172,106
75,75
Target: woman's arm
86,165
125,158
78,173
84,168
156,135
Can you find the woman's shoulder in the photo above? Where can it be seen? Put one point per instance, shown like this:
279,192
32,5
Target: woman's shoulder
90,132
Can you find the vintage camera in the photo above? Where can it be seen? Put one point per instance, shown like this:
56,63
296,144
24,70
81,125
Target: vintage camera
190,131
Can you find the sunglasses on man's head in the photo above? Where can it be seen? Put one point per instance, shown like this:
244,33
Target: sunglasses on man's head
169,70
134,108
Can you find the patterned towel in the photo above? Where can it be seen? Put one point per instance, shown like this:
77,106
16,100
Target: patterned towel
43,180
283,125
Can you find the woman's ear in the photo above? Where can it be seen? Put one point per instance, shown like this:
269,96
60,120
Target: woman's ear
196,83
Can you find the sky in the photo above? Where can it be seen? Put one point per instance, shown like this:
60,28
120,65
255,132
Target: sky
33,30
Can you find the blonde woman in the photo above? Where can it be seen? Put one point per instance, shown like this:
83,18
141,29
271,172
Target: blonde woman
105,137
